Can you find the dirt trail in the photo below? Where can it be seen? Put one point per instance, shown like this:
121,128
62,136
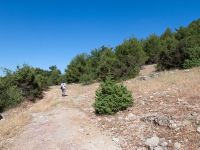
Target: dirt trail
166,109
64,127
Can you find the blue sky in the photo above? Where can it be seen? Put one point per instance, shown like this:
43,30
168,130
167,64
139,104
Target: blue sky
51,32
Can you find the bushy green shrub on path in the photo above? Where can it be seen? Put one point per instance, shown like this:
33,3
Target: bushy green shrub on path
111,98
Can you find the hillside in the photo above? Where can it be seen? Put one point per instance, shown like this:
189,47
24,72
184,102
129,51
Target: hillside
165,115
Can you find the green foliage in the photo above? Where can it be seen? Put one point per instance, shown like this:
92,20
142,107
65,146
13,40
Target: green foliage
191,63
153,48
171,59
86,79
105,64
183,52
54,76
193,53
25,79
132,50
76,68
121,63
169,51
168,40
50,77
111,98
42,81
10,96
130,56
193,58
26,83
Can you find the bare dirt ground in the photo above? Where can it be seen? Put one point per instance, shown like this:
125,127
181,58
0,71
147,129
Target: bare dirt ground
62,127
165,115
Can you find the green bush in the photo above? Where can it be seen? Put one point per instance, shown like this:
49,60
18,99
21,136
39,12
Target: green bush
26,83
25,79
185,52
171,59
76,68
121,63
55,76
193,58
152,47
191,63
111,98
42,81
10,94
14,96
86,79
9,97
131,57
179,58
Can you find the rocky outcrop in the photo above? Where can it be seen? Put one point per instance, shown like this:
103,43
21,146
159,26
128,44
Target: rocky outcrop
162,120
155,143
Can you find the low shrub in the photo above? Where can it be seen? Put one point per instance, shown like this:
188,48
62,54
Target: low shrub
26,80
86,79
9,97
191,63
111,98
193,58
24,83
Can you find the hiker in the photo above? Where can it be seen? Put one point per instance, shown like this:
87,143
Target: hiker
63,88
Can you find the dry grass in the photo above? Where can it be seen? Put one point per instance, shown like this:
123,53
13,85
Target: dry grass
42,106
173,93
147,69
179,84
17,118
48,101
166,80
10,126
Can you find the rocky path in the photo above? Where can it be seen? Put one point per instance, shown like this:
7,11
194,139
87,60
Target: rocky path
64,127
165,116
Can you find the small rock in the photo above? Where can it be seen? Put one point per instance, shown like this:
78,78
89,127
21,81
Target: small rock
108,119
177,146
198,120
170,141
81,130
144,78
194,114
172,125
158,148
180,100
187,70
1,117
141,148
157,119
116,140
120,118
164,144
198,129
152,142
130,117
142,102
154,75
